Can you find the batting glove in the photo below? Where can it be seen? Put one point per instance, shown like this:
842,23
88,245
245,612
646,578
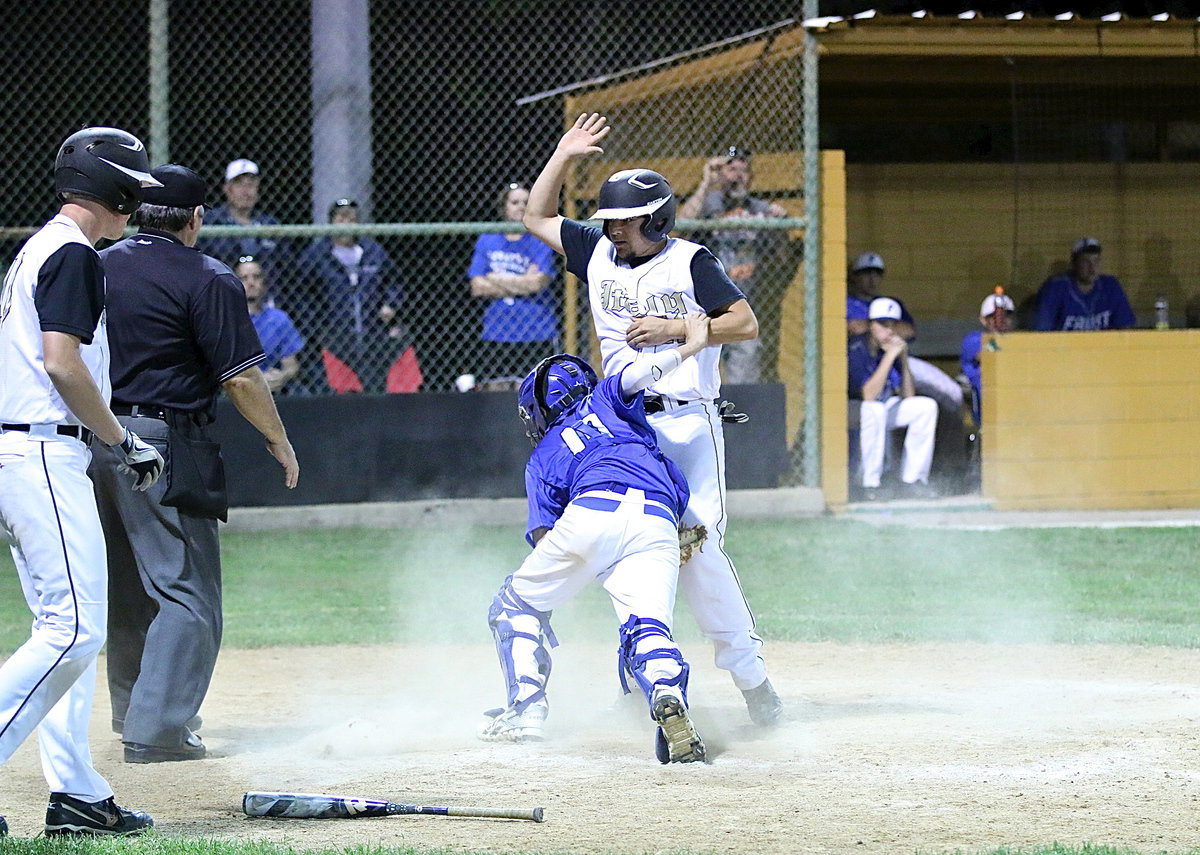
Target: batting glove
140,459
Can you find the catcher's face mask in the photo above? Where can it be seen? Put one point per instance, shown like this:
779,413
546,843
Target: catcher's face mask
550,390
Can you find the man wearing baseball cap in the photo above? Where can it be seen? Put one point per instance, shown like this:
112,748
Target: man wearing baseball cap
180,334
862,286
1083,298
241,188
879,376
995,316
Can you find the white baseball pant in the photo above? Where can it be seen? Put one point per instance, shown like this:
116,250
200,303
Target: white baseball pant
693,437
919,415
632,554
48,511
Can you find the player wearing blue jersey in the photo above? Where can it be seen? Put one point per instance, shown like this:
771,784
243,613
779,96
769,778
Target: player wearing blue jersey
604,505
1083,298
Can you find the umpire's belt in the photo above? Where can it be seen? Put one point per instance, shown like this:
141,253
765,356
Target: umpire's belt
75,431
652,502
661,404
166,414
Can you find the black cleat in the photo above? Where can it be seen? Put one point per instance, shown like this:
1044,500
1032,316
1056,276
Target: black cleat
3,827
763,704
192,749
69,815
675,740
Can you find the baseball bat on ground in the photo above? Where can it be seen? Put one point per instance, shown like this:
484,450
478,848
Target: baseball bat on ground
319,806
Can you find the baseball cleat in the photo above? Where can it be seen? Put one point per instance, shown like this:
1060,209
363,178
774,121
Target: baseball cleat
69,815
3,826
508,725
763,704
676,740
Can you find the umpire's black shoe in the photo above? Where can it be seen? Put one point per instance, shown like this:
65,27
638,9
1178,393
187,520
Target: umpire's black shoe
69,815
192,749
763,704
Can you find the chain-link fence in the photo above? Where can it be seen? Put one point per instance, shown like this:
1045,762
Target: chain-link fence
421,114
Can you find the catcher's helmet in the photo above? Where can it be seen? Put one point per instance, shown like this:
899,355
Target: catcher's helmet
550,390
636,193
105,164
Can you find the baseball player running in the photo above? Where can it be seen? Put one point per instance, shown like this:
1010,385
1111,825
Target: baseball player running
604,504
54,391
642,284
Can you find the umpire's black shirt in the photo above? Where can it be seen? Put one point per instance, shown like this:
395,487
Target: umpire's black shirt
178,325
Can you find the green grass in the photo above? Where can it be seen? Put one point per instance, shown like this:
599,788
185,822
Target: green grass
808,580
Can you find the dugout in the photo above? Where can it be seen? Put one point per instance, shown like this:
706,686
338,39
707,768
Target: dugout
972,151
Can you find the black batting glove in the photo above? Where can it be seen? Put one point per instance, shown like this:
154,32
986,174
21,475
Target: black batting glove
140,459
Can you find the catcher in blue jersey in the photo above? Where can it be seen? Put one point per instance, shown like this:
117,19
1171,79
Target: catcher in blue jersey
1083,298
604,505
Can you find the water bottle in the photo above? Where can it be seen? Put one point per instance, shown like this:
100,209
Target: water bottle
1162,319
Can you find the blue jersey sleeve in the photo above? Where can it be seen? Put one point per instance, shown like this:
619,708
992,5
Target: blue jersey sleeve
541,255
290,340
1123,317
479,258
858,363
579,242
546,499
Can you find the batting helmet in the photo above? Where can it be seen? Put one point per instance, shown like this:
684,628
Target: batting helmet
105,164
639,192
550,390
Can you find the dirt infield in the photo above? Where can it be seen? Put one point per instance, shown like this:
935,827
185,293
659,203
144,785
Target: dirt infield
887,749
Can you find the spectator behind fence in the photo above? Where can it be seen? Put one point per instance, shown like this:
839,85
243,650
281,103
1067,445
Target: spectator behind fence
241,187
996,316
513,273
724,192
866,275
1083,298
355,298
862,286
280,340
880,376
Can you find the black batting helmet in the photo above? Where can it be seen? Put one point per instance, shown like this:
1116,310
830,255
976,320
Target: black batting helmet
105,164
639,192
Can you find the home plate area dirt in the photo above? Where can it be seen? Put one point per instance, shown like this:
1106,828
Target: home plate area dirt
885,749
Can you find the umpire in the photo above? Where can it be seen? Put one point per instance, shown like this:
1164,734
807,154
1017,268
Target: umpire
180,333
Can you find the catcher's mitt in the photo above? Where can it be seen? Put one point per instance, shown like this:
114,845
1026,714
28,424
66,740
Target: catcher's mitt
691,541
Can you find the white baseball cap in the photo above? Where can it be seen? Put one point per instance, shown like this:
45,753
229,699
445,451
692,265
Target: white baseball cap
241,166
868,261
884,309
991,300
1085,244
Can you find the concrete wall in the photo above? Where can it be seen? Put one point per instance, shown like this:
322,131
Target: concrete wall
947,231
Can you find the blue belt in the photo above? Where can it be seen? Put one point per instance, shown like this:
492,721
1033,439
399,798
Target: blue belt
601,503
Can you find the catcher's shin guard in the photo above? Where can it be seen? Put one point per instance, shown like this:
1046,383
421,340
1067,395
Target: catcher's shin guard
522,633
636,652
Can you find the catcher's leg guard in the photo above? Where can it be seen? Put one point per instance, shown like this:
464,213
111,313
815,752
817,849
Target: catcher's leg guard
521,634
640,646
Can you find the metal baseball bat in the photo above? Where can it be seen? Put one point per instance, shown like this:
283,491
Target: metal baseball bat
320,806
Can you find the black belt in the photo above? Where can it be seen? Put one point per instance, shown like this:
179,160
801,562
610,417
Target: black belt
146,411
656,404
74,431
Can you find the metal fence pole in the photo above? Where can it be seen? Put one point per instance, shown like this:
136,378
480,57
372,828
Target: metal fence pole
810,136
160,84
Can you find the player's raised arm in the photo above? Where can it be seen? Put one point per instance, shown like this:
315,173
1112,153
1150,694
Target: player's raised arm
649,368
541,212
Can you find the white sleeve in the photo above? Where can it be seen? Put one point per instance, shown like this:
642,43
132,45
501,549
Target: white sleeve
648,369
